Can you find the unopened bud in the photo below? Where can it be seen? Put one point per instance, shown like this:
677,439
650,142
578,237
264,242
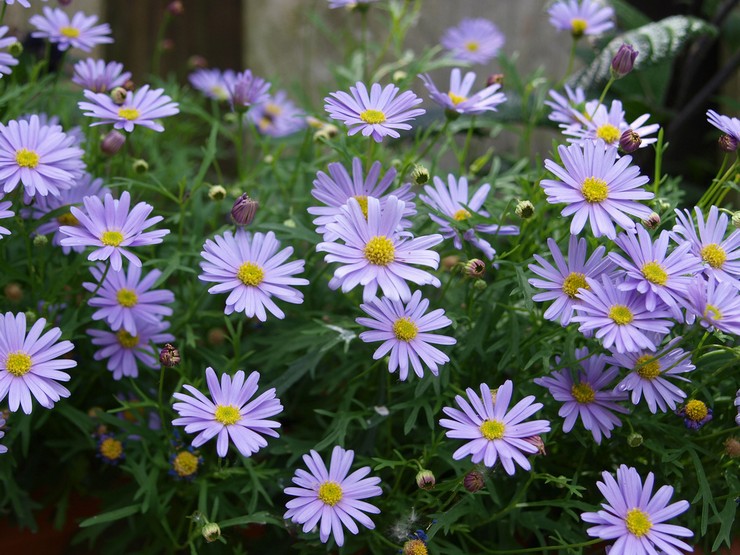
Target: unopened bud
112,142
623,61
175,7
399,75
630,141
269,159
197,62
420,175
524,209
40,241
13,292
732,447
129,85
474,481
475,268
479,285
728,143
449,262
168,45
652,221
140,166
216,337
326,132
495,79
244,210
425,479
661,204
31,316
736,220
634,440
118,95
537,442
15,49
217,192
290,222
211,532
169,356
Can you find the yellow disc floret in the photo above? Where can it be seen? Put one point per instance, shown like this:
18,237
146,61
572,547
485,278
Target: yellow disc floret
185,464
111,238
405,329
655,273
594,190
70,32
696,410
415,547
472,46
380,251
608,132
26,158
18,363
127,340
456,98
638,522
227,414
492,429
714,255
573,283
578,26
127,297
372,116
111,449
461,215
251,274
129,113
330,493
583,393
647,367
712,312
362,201
621,315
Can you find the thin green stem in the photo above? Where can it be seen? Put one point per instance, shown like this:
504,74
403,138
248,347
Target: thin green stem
157,56
571,61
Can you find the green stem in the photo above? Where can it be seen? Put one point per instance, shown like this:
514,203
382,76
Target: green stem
160,405
2,12
466,147
571,60
157,56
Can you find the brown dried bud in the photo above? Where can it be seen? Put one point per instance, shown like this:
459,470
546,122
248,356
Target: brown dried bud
244,210
169,356
129,85
13,292
732,447
112,142
449,262
474,481
216,337
728,143
425,479
168,45
175,7
197,62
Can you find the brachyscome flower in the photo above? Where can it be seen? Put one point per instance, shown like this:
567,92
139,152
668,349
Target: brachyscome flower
247,89
230,415
634,517
608,125
375,254
458,98
494,432
110,227
277,116
473,40
376,113
563,281
715,304
404,330
110,449
330,498
29,363
587,397
78,32
184,464
213,83
6,60
98,76
250,268
581,17
141,107
454,202
695,414
597,187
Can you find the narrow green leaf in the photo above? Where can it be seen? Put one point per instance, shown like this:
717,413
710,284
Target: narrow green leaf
110,516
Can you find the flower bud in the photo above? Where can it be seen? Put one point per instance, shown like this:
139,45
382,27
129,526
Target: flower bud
524,209
167,45
129,85
630,141
197,62
399,75
217,192
652,221
420,175
112,142
736,220
211,531
474,481
475,268
31,316
13,292
244,210
623,61
140,166
732,447
480,285
216,337
118,95
290,222
15,49
537,442
634,440
40,241
728,143
661,204
449,262
495,79
175,7
169,356
326,132
64,2
425,479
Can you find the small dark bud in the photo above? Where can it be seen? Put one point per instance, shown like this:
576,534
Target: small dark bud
129,85
474,481
168,45
118,95
652,221
728,143
420,175
629,141
175,7
524,209
449,262
197,62
112,142
140,166
634,440
475,268
211,532
13,292
732,447
64,2
244,210
169,356
537,442
623,61
495,79
216,337
425,479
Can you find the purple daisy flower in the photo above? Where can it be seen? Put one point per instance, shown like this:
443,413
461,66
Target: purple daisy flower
566,110
376,114
142,107
246,90
634,517
492,431
662,279
50,121
4,214
230,415
110,227
252,271
597,187
3,449
213,83
125,299
716,304
42,158
581,17
78,32
453,201
331,496
338,187
726,124
719,255
648,372
620,318
30,363
596,122
86,186
695,414
458,98
349,3
99,77
6,60
376,254
277,116
123,349
586,398
563,281
404,331
473,40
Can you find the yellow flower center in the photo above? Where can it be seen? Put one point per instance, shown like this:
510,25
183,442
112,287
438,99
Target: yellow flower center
638,522
127,340
594,189
696,410
70,32
647,367
273,110
583,393
472,46
127,297
18,364
714,255
620,315
26,158
456,98
380,251
415,547
461,215
655,273
405,329
68,219
372,116
129,113
227,414
111,238
492,429
330,493
573,283
362,201
251,274
608,132
185,464
712,312
111,449
578,26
